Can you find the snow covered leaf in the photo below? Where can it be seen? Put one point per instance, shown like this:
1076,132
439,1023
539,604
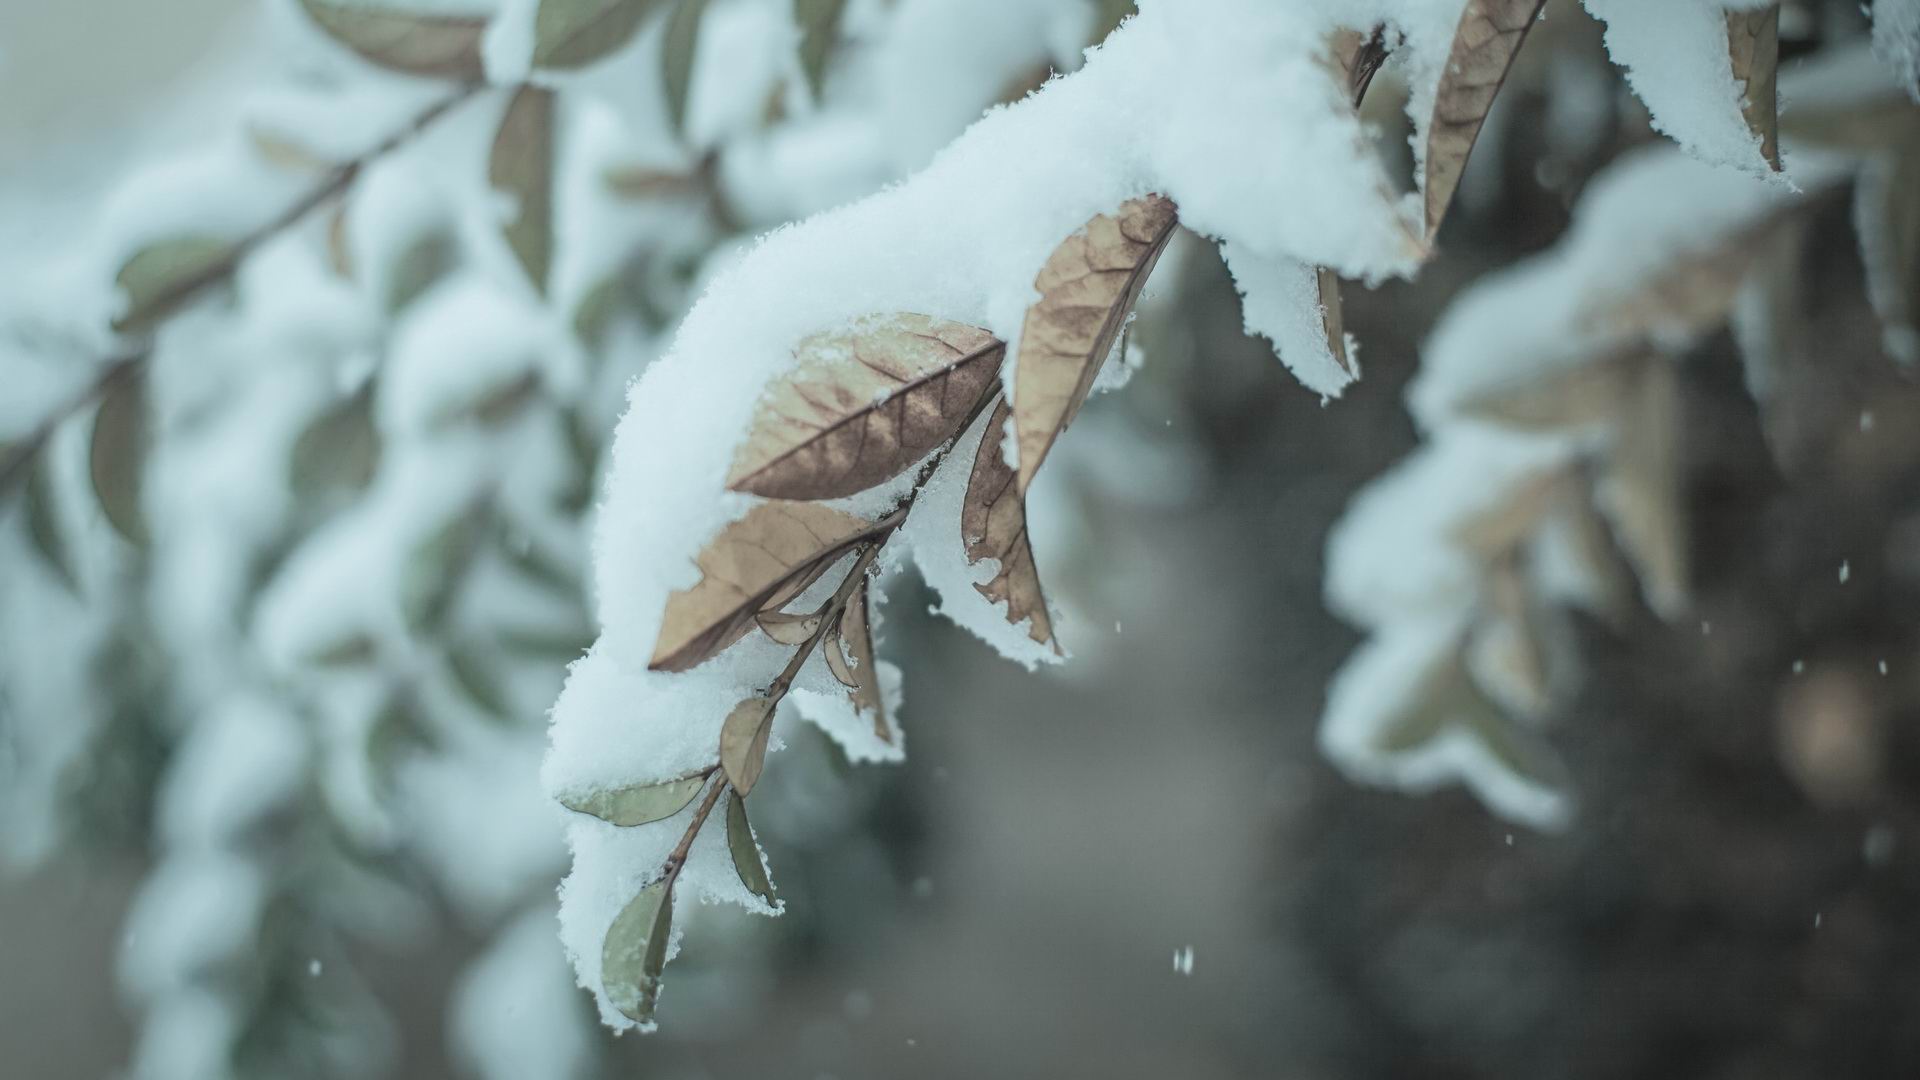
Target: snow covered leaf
819,22
161,277
1357,56
678,47
1087,288
117,457
635,952
756,564
415,42
1447,700
864,403
338,451
993,525
575,33
43,523
1641,490
1692,293
1506,648
743,742
1484,45
640,804
1563,398
746,853
430,577
1753,46
521,165
787,628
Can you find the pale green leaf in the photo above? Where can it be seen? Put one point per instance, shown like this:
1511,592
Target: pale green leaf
635,951
641,804
161,277
43,523
575,33
743,742
678,47
339,450
746,853
819,22
521,165
417,43
117,457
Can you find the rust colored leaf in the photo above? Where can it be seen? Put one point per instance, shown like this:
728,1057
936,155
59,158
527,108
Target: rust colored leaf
993,525
1484,46
1753,47
1087,288
863,404
756,564
743,742
418,43
521,164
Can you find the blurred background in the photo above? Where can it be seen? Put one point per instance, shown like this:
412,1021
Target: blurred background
1137,865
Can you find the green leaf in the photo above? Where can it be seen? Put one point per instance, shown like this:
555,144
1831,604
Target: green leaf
746,853
339,450
431,577
819,22
160,278
417,43
575,33
117,459
43,523
560,646
641,804
472,674
678,47
635,951
521,164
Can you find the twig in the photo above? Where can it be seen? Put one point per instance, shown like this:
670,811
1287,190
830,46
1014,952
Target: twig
190,288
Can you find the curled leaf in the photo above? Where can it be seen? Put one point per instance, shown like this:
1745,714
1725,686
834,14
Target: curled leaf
743,742
117,457
162,277
788,629
635,951
756,564
414,42
575,33
640,804
521,164
1753,48
993,525
864,403
746,853
819,22
1087,289
1484,45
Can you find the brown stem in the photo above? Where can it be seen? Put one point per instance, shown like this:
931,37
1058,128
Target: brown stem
191,288
678,857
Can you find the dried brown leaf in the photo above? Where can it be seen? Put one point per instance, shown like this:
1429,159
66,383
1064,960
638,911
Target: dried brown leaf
1332,321
418,43
1484,45
855,642
1356,56
1087,289
1753,48
788,629
1641,490
1694,291
1494,533
1568,397
756,564
864,403
743,742
993,525
520,163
